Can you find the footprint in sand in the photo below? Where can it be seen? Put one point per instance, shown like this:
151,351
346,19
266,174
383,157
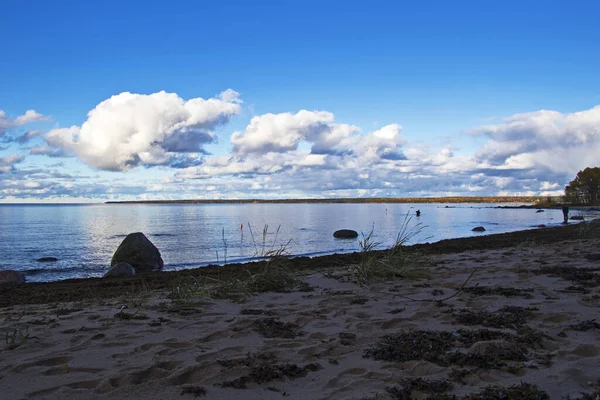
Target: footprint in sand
91,384
48,362
154,372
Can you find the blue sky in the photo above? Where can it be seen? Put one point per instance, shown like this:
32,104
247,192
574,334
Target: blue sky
416,99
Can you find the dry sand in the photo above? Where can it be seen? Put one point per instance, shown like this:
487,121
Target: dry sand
529,314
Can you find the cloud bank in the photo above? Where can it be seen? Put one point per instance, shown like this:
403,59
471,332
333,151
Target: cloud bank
291,154
130,129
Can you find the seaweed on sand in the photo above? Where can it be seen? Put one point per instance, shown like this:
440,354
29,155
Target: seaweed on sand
249,361
274,328
499,290
585,325
583,275
507,316
407,386
437,347
263,368
522,391
195,390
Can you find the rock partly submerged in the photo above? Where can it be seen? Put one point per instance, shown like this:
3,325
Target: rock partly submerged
139,252
11,277
345,234
120,269
47,259
478,229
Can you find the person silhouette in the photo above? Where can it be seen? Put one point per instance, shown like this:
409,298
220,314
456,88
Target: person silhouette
418,213
565,211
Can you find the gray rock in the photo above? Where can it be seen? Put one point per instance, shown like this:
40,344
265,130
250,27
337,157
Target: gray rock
539,211
478,229
577,218
139,252
10,277
47,259
345,234
120,269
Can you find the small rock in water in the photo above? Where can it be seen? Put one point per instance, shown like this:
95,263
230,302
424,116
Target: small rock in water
120,269
478,229
345,234
47,259
577,218
539,211
10,277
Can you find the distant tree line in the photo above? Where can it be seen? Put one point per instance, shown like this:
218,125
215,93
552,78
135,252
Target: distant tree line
585,188
454,199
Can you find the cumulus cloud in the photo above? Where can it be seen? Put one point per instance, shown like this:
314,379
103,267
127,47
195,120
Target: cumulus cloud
281,132
7,123
284,132
539,139
7,163
131,129
308,153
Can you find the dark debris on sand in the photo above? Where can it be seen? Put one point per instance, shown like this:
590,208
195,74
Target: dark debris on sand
406,387
263,369
522,391
254,311
584,276
274,328
195,390
505,317
585,325
500,291
512,351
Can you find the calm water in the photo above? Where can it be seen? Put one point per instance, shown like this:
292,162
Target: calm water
84,237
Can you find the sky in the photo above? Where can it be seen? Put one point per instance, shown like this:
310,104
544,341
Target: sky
143,100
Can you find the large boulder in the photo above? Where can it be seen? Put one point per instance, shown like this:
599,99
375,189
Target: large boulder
345,234
120,269
139,252
10,277
478,229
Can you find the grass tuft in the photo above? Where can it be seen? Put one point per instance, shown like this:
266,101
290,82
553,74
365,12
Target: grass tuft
397,262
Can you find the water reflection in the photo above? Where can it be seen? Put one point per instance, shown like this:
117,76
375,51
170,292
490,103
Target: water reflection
84,237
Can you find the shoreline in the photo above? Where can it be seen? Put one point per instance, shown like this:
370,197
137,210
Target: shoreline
74,287
359,200
509,315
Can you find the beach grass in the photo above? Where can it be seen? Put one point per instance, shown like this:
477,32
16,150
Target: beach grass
398,262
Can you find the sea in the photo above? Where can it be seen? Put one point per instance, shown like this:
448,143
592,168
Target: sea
83,237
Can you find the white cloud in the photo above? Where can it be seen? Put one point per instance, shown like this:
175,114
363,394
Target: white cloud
281,132
7,162
304,154
7,123
543,139
130,129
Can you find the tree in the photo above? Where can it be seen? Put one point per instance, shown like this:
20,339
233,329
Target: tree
585,188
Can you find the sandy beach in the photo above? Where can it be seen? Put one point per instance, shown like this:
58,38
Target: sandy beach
495,317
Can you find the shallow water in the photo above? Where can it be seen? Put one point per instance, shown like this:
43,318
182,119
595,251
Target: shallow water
84,237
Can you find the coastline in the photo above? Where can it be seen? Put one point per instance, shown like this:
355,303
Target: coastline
536,290
360,200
